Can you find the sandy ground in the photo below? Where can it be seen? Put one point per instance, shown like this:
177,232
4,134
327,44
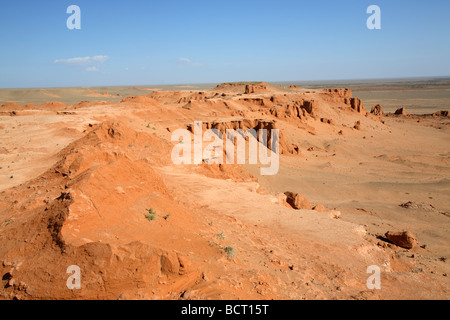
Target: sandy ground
77,180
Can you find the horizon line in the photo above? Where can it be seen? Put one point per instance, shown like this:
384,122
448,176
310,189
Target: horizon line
215,83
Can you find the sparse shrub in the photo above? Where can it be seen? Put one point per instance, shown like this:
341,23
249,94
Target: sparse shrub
151,215
166,217
221,236
212,243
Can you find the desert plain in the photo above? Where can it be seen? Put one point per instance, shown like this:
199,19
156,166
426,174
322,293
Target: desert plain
87,179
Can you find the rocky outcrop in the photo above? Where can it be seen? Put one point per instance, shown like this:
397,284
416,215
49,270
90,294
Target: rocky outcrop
401,112
356,104
441,113
344,96
377,110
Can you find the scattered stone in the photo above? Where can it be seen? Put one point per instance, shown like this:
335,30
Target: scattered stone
415,205
328,121
334,214
401,111
319,208
357,125
11,282
382,244
297,201
403,239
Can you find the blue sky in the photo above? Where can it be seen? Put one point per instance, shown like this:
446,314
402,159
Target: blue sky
172,42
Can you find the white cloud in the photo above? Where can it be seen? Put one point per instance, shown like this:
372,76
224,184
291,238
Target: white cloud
190,62
92,69
82,60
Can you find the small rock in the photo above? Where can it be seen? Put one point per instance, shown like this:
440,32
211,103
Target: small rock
403,239
11,282
319,208
335,214
297,201
401,111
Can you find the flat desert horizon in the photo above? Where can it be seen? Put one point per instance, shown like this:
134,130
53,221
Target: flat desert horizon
418,95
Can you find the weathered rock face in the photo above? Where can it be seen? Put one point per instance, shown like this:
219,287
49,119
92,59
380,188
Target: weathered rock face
403,239
201,95
401,111
256,124
356,104
298,110
297,201
345,96
259,102
344,93
377,110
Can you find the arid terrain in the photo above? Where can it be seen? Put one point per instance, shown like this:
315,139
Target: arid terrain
91,183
